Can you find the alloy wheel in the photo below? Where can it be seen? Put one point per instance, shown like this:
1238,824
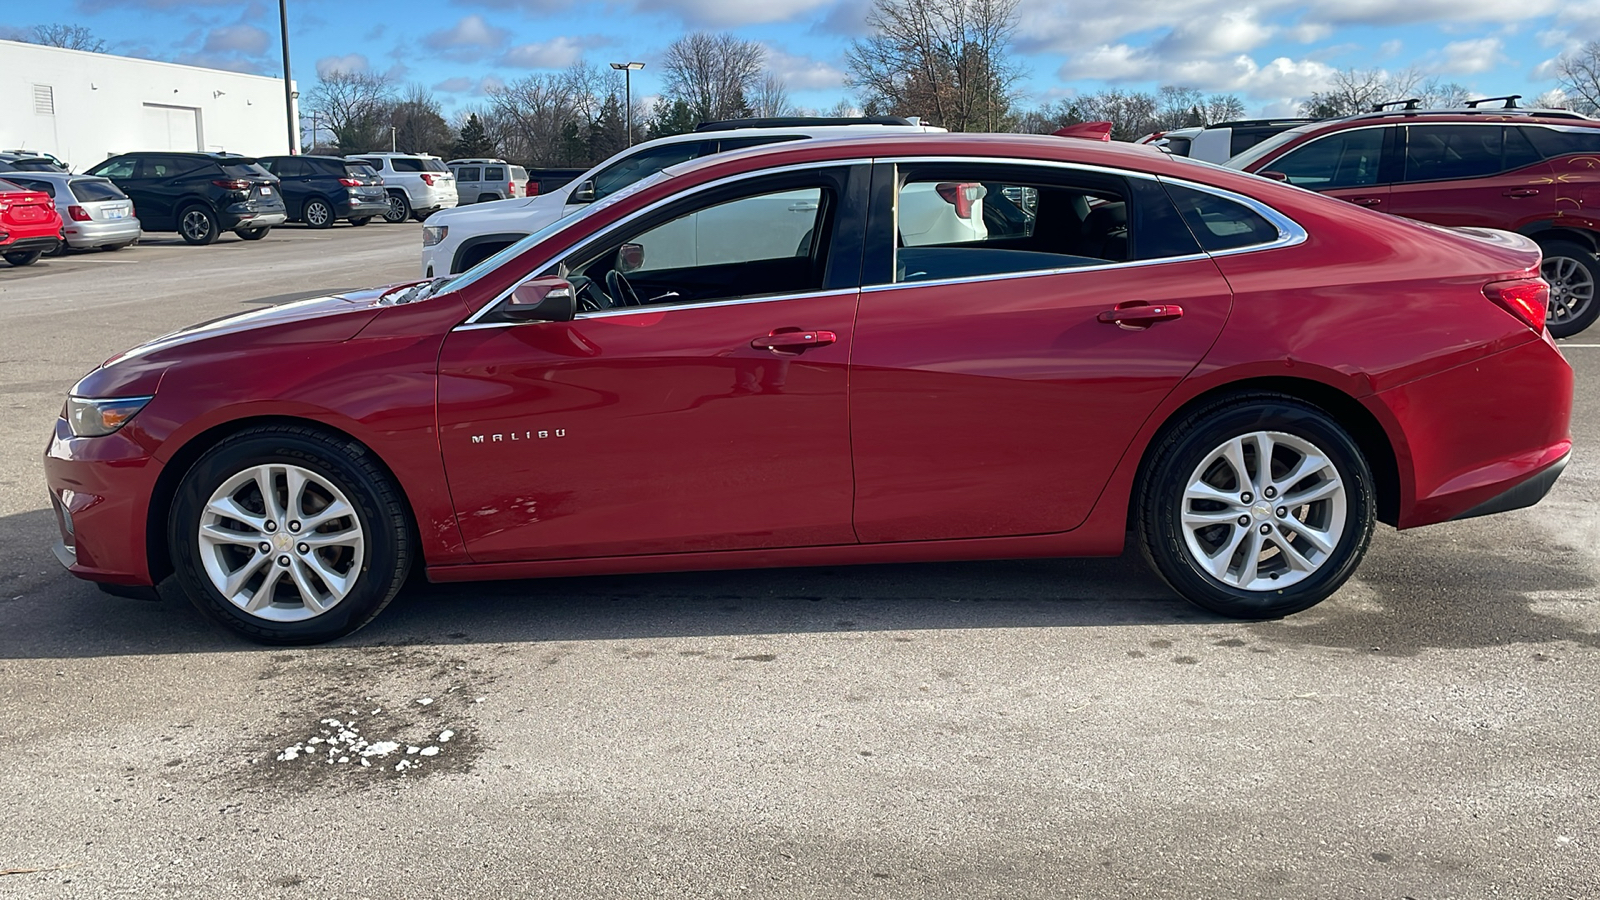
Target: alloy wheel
1263,511
196,225
281,542
317,214
1571,289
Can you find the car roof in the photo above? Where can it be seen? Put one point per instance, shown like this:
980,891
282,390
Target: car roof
397,155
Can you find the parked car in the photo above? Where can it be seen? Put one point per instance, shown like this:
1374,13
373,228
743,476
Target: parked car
29,226
1244,374
35,154
543,181
1522,170
198,195
483,180
321,190
23,162
457,240
1222,141
418,184
95,213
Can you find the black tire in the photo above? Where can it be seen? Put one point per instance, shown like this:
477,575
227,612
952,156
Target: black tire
112,248
487,198
253,234
422,215
360,221
1179,453
399,208
22,257
60,249
1571,293
197,225
317,213
379,509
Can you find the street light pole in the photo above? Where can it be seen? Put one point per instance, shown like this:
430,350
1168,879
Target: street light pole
627,70
288,94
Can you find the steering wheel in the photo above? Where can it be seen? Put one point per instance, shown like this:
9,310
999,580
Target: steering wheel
618,287
590,297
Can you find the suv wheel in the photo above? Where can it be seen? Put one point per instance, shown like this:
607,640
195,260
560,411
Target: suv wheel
253,234
399,209
317,214
360,221
197,225
1573,272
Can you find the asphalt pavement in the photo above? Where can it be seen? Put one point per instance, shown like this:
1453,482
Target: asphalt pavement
1000,729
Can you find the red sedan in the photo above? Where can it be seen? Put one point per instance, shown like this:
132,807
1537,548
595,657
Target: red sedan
29,224
926,348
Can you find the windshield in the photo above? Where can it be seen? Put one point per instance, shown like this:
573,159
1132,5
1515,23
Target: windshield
456,282
1267,146
627,172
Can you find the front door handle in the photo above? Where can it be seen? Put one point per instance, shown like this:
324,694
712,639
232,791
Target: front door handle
794,340
1520,192
1366,201
1139,314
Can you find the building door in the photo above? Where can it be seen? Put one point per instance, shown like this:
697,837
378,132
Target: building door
172,128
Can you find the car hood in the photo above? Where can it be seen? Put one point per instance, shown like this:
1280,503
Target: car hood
319,320
528,215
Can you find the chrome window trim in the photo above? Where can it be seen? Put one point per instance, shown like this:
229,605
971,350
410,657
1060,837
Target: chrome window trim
1290,232
1032,273
623,222
666,307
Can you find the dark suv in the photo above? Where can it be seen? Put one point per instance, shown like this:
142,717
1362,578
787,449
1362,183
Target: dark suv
320,190
1524,170
198,195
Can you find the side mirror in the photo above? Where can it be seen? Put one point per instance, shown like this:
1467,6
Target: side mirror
630,258
1275,176
549,299
584,193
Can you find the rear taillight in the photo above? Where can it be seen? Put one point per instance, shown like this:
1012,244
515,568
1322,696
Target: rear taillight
962,196
78,214
533,189
350,182
232,184
428,178
1526,298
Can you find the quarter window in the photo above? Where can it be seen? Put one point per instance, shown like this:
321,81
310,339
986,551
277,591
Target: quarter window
467,173
1344,160
494,173
1219,223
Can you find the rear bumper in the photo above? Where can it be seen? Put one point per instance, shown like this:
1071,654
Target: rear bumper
434,198
44,243
254,214
1523,495
357,207
85,235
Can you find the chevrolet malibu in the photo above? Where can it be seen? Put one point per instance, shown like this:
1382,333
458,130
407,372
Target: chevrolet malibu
1237,376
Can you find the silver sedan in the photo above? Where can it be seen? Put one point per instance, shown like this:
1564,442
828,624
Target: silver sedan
94,211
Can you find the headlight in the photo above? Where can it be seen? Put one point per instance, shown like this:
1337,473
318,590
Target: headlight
433,234
97,418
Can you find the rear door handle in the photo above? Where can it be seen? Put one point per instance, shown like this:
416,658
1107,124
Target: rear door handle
794,341
1139,314
1520,192
1366,201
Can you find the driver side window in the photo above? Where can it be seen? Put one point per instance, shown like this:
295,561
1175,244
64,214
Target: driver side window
753,244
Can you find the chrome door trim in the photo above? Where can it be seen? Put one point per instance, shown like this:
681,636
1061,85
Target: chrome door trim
666,307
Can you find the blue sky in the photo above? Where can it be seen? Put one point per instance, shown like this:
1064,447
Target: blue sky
1271,53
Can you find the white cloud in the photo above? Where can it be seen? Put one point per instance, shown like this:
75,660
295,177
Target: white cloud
472,33
556,53
1466,57
243,39
1281,79
731,13
1232,32
1390,48
350,62
802,73
457,85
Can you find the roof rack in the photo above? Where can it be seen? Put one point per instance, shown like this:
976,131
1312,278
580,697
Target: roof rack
1510,101
1241,123
800,122
1408,105
1411,111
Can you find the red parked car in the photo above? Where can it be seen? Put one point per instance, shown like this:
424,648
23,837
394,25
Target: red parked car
29,224
1096,337
1528,171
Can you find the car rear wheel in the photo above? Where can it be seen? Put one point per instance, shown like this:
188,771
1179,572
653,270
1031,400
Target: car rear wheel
399,209
197,225
253,234
112,248
1573,273
22,257
317,214
1257,507
358,222
288,535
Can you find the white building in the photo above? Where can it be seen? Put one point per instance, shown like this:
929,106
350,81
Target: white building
84,107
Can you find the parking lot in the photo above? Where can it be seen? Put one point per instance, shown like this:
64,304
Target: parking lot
1000,729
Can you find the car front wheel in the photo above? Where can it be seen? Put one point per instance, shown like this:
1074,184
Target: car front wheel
1573,272
399,209
1257,507
253,234
288,535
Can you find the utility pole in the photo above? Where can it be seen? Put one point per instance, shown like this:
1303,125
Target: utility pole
627,69
391,139
288,92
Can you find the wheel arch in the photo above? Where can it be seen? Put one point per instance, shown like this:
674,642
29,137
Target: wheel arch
1365,429
1548,230
157,554
474,245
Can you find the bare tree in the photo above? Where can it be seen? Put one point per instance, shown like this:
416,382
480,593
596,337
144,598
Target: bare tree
945,60
771,97
713,73
72,37
1354,91
541,119
419,123
1578,74
355,107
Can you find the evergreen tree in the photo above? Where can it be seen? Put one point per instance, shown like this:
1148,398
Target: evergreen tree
671,117
609,134
473,142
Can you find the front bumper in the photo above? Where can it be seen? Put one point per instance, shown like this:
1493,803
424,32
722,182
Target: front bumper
100,488
86,235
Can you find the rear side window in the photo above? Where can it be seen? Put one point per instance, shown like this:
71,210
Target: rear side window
1178,145
360,170
494,173
405,165
7,187
30,184
244,170
1561,142
376,164
1219,223
1443,152
116,168
1343,160
89,190
167,167
467,173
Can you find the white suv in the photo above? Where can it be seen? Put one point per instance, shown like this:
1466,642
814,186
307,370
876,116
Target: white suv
456,240
418,184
